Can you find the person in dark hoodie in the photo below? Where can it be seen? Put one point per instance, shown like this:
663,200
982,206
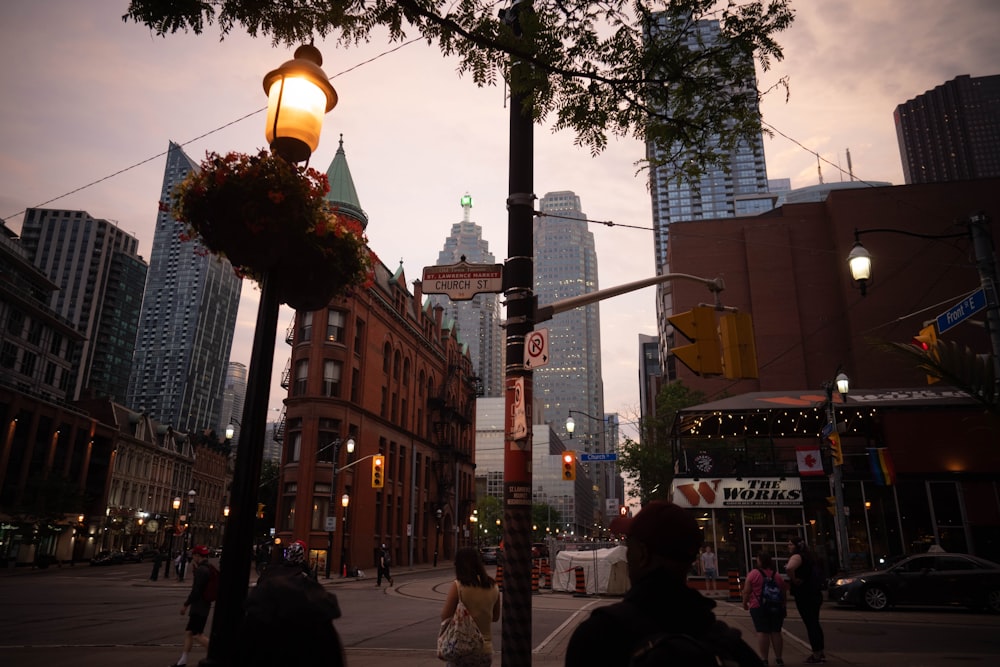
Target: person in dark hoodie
659,615
289,619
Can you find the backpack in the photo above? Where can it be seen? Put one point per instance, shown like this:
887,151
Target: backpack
211,592
386,558
770,593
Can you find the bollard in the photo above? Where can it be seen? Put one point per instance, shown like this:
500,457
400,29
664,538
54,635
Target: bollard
499,577
534,580
581,584
735,594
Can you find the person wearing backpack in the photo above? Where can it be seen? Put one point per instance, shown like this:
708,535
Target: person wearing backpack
765,595
197,604
807,588
661,620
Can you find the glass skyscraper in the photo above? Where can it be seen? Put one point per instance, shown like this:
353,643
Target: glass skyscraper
738,188
478,319
187,321
100,277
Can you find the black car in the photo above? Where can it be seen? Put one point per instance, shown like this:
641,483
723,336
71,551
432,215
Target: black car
108,558
932,579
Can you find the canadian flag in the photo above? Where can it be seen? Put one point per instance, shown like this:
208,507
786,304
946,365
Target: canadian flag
809,460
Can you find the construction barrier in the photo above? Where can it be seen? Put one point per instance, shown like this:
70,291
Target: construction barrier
534,580
499,577
735,594
581,584
546,574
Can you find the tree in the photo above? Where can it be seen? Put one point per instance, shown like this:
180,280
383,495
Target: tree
544,516
958,366
490,509
617,67
650,462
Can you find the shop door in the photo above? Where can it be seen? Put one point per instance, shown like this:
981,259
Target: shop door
768,530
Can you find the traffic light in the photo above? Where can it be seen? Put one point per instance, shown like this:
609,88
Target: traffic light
836,451
378,478
739,353
568,466
926,341
831,505
260,510
704,354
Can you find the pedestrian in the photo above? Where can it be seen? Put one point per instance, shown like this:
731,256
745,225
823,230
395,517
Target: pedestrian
479,593
765,595
289,619
383,563
295,556
179,564
157,562
198,603
660,618
709,567
806,581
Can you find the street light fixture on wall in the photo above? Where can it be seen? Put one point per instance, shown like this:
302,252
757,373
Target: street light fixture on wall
978,231
299,95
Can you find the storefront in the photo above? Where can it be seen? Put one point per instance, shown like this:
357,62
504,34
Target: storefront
737,469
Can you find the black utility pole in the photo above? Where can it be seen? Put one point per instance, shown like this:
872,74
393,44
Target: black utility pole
519,278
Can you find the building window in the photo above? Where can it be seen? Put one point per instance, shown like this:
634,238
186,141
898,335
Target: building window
306,327
359,335
290,513
301,377
295,451
331,378
8,355
334,326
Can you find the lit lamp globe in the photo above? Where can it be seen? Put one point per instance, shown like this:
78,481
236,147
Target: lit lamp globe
299,94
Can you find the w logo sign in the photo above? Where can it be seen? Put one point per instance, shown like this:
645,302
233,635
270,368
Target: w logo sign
697,494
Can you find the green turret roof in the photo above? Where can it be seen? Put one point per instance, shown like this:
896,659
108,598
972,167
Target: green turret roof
342,194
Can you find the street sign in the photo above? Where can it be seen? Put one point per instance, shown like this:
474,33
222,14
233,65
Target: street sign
961,310
584,457
331,524
536,349
462,281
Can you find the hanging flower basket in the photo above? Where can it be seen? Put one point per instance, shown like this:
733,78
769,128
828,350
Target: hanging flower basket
267,216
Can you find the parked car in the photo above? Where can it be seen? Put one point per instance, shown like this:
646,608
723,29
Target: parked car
932,579
108,558
491,555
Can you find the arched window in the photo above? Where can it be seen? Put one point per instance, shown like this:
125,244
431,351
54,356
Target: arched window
386,357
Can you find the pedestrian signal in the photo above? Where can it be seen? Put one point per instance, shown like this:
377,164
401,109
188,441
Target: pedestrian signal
378,478
568,466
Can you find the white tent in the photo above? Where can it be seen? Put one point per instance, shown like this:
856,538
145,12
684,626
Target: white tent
604,571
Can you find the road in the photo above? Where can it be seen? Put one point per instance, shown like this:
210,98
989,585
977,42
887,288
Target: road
110,616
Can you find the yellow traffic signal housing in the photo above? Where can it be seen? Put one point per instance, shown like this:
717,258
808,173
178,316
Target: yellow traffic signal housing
704,354
927,342
568,466
739,352
378,478
836,450
831,505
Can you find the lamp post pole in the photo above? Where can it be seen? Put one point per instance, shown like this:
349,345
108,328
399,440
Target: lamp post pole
345,500
286,107
336,444
837,477
174,526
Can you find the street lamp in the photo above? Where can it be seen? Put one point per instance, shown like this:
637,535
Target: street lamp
336,444
345,500
859,261
296,93
842,384
173,535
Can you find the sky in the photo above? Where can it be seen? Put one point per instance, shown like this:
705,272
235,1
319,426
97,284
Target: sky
89,104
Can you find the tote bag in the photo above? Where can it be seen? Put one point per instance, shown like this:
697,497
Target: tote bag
459,636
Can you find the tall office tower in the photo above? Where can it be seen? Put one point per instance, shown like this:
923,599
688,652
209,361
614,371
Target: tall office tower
187,322
100,277
233,394
738,188
565,266
478,319
951,133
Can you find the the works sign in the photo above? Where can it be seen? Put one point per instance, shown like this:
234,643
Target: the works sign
732,492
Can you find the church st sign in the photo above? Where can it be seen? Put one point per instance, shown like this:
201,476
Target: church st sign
707,493
463,281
